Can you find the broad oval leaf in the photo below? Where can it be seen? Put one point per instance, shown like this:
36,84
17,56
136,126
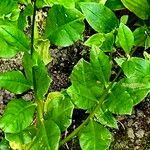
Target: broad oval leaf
86,87
89,79
136,67
139,36
101,40
47,137
101,65
141,8
64,26
17,116
137,83
59,108
22,137
106,118
14,37
14,81
108,43
95,137
137,88
114,4
7,51
100,18
126,38
95,40
119,100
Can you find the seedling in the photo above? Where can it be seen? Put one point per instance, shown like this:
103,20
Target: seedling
38,124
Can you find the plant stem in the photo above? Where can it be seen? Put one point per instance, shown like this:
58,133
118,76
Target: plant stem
39,103
101,100
33,24
105,93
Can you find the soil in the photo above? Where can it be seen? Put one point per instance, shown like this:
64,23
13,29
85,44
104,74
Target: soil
134,130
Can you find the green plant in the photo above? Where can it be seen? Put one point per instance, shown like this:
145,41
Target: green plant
38,124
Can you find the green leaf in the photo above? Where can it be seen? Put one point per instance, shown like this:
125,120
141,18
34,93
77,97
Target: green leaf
101,40
59,108
22,137
7,51
44,3
86,88
4,145
139,36
47,137
124,19
147,42
42,79
27,65
100,18
138,83
42,47
14,81
95,40
120,60
138,7
101,65
137,67
119,100
89,79
126,38
64,26
137,88
69,4
17,116
14,37
94,137
107,45
106,118
114,4
25,1
22,20
7,6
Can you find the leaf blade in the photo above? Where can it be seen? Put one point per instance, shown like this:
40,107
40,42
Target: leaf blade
17,116
14,81
100,18
67,26
95,136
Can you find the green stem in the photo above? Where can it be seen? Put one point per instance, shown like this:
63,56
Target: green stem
39,102
75,132
104,95
33,24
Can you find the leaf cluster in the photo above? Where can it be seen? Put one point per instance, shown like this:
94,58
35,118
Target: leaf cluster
39,124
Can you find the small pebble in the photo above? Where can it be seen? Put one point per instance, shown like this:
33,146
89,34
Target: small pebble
140,133
130,133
